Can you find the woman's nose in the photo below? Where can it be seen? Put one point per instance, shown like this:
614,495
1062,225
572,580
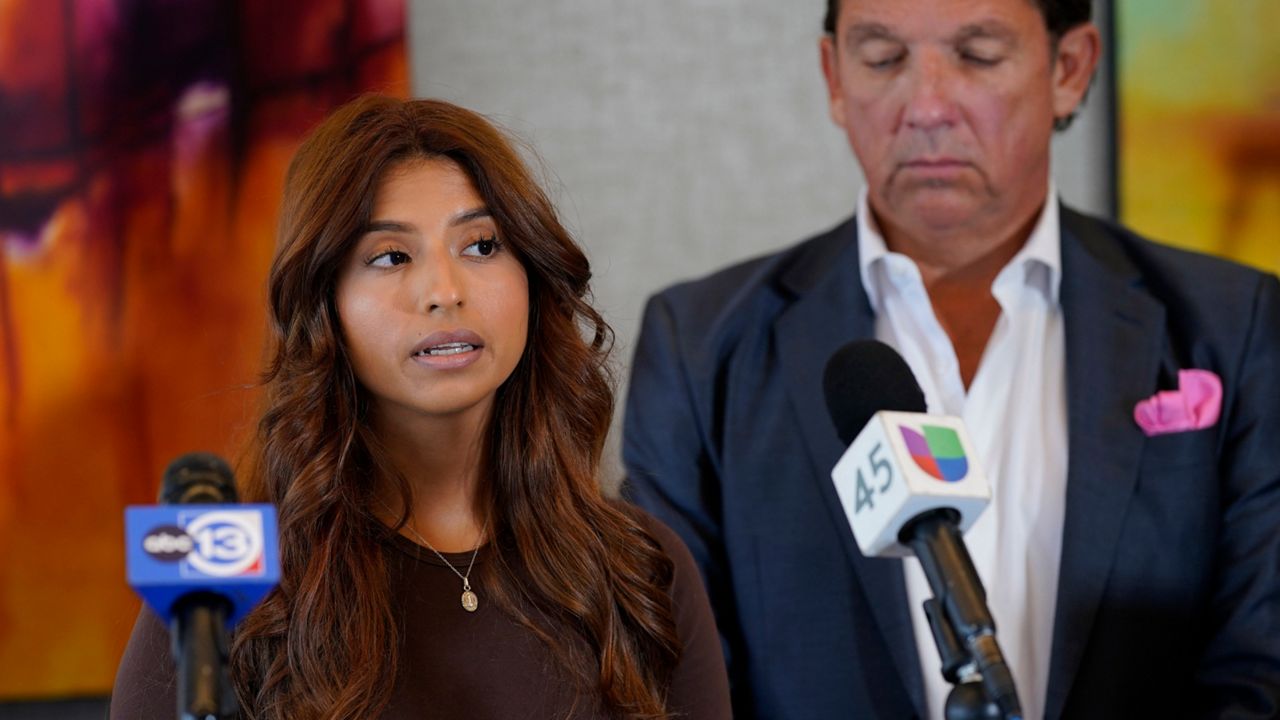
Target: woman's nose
441,285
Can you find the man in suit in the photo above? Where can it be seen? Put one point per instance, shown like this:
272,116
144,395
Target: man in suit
1133,571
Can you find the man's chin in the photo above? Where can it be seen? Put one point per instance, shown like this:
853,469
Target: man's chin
936,206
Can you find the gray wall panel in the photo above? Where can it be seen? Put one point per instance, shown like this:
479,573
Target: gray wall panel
677,135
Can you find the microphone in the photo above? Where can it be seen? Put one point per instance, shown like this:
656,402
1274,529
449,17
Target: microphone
201,562
910,483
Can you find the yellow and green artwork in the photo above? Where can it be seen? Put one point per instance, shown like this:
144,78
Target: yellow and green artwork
1198,124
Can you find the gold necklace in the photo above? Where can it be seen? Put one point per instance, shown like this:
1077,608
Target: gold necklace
470,602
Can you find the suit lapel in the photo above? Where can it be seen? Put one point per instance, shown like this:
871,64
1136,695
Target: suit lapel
1114,334
829,310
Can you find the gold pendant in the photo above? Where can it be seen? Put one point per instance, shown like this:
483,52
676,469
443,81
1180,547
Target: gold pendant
469,601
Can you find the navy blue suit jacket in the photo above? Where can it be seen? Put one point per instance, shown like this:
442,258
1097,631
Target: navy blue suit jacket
1169,589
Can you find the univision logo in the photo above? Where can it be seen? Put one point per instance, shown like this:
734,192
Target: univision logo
219,543
937,451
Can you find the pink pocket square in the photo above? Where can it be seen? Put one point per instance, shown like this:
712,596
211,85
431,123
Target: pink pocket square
1193,406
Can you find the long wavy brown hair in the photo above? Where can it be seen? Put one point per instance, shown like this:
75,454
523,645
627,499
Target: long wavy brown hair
576,568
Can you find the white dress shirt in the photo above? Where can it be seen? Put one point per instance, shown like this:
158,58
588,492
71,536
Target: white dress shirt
1016,412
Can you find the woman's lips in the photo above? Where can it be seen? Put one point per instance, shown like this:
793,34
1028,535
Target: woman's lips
448,349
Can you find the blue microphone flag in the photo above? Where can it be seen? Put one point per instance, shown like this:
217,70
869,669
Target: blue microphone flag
175,550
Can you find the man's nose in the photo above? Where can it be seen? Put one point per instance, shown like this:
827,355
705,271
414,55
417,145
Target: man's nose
929,104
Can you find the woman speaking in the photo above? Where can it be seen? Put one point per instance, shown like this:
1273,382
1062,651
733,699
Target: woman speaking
437,401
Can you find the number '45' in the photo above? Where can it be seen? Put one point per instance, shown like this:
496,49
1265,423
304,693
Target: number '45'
864,496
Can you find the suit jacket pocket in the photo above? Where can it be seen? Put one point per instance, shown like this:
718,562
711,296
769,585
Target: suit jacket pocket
1181,449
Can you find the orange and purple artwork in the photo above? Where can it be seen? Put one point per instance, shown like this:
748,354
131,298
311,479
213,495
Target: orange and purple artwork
143,145
1199,124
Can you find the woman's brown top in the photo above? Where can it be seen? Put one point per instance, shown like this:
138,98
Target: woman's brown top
464,665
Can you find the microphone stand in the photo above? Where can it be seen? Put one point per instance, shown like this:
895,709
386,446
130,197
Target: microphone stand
967,699
962,626
201,648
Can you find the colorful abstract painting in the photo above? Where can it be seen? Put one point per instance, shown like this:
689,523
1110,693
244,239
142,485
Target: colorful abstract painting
143,145
1199,124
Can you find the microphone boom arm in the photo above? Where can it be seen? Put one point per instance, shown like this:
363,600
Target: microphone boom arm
935,539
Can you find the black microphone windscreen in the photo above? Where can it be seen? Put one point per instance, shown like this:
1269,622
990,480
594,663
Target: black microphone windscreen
864,377
198,478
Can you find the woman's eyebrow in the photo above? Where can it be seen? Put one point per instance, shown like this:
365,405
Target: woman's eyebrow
467,216
398,226
393,226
